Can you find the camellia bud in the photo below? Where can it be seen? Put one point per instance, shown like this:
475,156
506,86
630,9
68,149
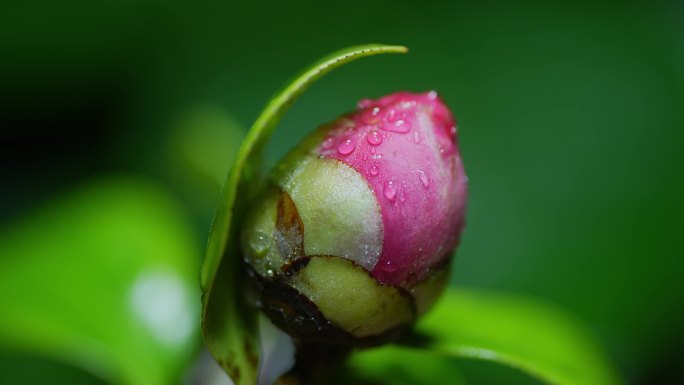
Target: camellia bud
352,239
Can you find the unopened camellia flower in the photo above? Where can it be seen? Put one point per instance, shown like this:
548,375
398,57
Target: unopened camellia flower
353,238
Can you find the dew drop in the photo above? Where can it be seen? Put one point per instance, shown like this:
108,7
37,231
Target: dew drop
258,242
374,170
374,138
391,115
416,137
328,142
370,116
407,104
432,95
390,191
346,147
364,103
424,179
372,150
400,126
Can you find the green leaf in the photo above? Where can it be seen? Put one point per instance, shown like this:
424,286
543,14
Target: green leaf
227,324
203,143
397,365
103,279
531,336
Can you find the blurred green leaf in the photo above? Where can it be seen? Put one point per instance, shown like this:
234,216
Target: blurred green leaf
227,324
103,279
205,138
35,369
397,365
528,335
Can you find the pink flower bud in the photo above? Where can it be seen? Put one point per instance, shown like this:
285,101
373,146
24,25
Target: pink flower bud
404,146
359,224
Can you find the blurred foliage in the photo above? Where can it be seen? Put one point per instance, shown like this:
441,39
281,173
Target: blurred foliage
400,366
201,147
29,369
538,339
404,366
104,279
528,335
570,118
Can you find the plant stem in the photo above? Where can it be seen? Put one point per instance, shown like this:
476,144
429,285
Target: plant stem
315,364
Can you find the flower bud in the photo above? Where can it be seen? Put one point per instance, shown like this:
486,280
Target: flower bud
353,237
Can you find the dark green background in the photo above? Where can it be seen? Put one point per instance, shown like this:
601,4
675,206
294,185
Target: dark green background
571,121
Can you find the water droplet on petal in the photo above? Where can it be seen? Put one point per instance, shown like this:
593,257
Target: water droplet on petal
364,103
453,130
424,179
372,150
374,170
400,126
416,137
328,142
374,138
390,191
258,242
407,104
432,95
346,147
391,115
376,111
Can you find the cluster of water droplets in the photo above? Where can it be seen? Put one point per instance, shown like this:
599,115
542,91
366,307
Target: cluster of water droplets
394,191
259,245
376,123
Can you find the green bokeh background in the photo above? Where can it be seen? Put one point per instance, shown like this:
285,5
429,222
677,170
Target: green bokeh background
571,122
